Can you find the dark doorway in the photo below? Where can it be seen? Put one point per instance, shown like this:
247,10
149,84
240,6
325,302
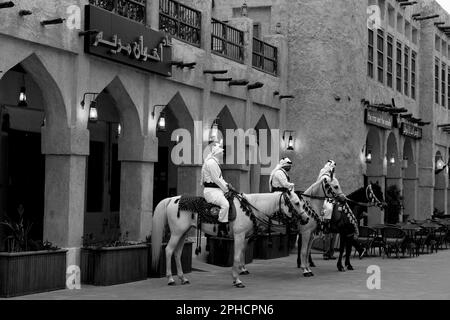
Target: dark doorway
161,183
26,179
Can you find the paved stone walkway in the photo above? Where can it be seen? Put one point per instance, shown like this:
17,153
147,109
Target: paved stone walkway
424,277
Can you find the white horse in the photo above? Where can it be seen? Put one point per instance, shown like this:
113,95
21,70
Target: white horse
264,205
315,195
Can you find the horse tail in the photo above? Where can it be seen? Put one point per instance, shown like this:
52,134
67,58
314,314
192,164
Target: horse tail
158,226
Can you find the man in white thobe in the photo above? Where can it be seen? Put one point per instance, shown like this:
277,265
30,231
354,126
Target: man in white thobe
215,186
279,178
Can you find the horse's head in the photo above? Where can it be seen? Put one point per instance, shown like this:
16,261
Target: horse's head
294,206
375,195
332,189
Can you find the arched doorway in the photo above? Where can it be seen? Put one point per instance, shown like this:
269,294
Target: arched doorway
259,182
410,181
103,170
171,178
393,187
22,164
439,187
374,170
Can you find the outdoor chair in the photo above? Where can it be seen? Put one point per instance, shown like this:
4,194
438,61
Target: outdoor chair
366,238
393,238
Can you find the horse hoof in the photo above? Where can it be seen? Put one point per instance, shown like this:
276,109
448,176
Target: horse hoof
244,272
349,267
171,283
341,268
185,281
308,274
239,285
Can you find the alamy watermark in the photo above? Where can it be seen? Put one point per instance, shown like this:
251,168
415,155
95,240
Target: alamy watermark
374,280
250,147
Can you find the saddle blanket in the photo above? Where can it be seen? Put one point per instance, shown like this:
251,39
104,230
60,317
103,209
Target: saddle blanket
208,212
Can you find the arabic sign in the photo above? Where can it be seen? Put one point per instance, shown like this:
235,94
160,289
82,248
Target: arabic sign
410,130
128,42
378,118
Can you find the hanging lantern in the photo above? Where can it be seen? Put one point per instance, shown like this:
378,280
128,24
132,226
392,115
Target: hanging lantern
392,160
119,129
93,114
22,97
290,146
244,10
162,122
369,157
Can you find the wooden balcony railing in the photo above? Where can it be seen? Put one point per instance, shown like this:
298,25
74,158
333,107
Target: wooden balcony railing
131,9
227,41
181,21
265,56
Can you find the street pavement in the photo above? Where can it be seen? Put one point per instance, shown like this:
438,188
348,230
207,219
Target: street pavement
423,277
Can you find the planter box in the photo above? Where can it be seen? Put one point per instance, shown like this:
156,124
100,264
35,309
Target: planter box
32,272
186,261
273,246
109,266
221,252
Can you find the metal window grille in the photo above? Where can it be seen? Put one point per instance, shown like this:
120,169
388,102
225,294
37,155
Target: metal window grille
443,84
370,55
265,56
406,68
380,55
227,41
181,21
399,67
131,9
413,74
436,81
390,62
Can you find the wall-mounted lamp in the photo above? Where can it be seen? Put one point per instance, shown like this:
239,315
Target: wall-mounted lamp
440,166
214,132
369,156
22,94
93,113
119,129
161,126
392,160
290,141
7,4
405,162
244,10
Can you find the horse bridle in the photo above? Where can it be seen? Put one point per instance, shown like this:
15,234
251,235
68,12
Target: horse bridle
370,195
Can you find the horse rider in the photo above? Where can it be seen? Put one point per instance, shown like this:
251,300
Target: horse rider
328,170
279,178
215,186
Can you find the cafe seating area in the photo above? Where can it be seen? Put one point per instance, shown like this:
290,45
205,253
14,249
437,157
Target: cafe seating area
411,238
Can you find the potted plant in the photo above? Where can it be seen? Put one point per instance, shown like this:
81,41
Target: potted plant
114,261
186,257
29,266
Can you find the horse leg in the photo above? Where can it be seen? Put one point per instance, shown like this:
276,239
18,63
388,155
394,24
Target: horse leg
178,252
311,262
311,239
342,240
239,240
242,268
304,253
171,245
348,251
299,250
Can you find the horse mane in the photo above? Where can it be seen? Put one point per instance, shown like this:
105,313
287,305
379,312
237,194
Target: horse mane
311,187
355,195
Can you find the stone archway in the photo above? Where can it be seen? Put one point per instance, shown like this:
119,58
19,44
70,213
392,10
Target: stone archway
65,148
374,170
171,176
410,181
393,187
259,182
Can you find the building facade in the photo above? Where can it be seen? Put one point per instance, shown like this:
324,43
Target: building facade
365,83
370,83
125,64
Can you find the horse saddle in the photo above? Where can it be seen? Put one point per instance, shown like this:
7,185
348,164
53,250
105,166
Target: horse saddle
208,212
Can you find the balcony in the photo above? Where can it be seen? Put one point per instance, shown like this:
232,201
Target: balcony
131,9
227,41
265,57
182,22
